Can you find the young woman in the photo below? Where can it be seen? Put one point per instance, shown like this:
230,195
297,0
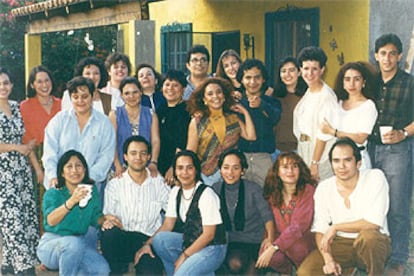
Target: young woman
19,224
192,239
227,67
63,245
150,81
118,66
246,214
93,68
37,110
289,89
173,120
318,104
289,188
134,119
216,127
357,113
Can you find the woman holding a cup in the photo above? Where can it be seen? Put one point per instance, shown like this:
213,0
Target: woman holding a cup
357,114
63,245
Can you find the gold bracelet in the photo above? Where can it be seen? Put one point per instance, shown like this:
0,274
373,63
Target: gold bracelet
185,255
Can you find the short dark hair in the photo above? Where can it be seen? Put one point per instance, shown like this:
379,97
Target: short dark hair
194,158
198,48
114,58
312,53
280,88
367,72
249,64
388,39
88,61
32,77
346,141
6,72
137,139
63,160
238,153
157,75
76,82
176,75
129,80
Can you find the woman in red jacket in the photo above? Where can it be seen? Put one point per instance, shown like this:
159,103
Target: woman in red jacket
289,189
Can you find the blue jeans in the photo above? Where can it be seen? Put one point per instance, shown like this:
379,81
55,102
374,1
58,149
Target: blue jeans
396,163
168,246
71,255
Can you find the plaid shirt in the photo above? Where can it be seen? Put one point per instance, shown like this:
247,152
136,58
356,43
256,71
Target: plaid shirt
395,103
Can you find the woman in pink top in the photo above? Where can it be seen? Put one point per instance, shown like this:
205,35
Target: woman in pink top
289,188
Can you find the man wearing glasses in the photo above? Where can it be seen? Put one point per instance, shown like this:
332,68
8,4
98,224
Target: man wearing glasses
198,59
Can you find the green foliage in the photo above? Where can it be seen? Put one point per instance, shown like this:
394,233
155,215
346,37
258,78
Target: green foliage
12,45
60,50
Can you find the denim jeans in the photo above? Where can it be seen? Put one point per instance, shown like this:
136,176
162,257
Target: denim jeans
396,163
168,246
71,255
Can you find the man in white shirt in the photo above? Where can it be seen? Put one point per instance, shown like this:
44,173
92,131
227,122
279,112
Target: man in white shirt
137,199
350,222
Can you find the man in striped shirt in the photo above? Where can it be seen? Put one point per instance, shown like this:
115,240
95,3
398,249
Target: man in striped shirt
137,199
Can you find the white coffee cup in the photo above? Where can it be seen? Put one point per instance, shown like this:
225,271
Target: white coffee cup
383,130
84,201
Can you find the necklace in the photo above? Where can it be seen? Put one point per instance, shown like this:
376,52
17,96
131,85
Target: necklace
232,206
49,101
191,197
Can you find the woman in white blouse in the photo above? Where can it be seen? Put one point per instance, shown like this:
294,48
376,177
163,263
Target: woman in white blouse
357,114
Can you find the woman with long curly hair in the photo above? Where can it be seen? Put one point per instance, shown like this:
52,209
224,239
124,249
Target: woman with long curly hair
289,188
215,126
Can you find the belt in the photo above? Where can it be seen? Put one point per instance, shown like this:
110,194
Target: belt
304,138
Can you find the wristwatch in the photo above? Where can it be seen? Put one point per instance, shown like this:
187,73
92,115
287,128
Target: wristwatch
405,133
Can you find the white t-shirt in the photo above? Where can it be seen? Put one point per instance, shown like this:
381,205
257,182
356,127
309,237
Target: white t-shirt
358,120
209,205
369,201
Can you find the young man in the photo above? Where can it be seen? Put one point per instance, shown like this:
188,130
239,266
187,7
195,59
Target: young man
394,101
350,217
198,59
136,199
318,104
265,112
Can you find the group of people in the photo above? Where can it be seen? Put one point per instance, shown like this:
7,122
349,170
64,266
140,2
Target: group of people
209,173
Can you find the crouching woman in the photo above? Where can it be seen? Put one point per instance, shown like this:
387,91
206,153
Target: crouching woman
63,245
192,239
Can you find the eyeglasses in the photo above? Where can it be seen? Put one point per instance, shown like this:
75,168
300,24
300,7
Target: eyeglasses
196,60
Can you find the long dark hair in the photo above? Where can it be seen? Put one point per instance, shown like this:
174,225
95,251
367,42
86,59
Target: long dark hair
194,158
280,88
196,101
63,160
367,72
273,183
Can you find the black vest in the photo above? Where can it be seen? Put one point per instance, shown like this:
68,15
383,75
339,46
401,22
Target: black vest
192,228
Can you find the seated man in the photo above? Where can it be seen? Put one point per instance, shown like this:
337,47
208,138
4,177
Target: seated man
137,200
350,217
